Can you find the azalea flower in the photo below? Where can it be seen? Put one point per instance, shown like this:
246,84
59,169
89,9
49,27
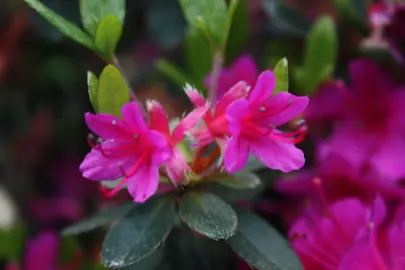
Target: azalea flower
253,123
42,252
242,69
134,151
369,126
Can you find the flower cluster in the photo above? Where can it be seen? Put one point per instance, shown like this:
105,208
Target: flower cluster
243,121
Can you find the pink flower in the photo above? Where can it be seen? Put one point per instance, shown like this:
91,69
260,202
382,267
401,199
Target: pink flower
242,69
134,151
252,126
370,127
42,252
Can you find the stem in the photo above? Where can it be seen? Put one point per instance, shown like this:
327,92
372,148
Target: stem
132,95
216,71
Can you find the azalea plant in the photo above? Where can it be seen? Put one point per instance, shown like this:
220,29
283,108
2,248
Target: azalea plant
200,191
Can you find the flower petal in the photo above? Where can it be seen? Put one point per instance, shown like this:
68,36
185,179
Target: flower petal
360,257
161,152
96,166
285,107
194,96
105,125
132,115
235,113
263,89
42,251
187,123
239,90
144,183
176,166
157,117
277,155
244,68
236,154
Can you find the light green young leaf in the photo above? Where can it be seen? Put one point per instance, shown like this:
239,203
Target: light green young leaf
320,55
63,25
209,17
208,215
281,72
92,85
198,55
260,245
93,11
140,233
108,35
113,91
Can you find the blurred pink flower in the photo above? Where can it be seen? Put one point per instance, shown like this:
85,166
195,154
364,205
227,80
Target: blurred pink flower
42,252
242,69
369,124
252,125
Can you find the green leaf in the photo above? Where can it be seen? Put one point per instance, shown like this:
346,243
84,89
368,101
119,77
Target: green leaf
63,25
68,249
92,85
320,55
98,220
239,27
12,242
113,91
93,11
260,245
235,195
208,215
281,72
198,56
353,13
150,262
209,17
108,35
179,77
241,180
140,233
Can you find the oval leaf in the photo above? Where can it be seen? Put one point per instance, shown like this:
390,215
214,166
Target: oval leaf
113,91
93,11
207,214
92,85
140,233
209,17
241,180
108,35
63,25
260,245
281,72
98,220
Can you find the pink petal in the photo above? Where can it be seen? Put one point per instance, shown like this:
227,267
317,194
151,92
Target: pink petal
236,154
277,155
244,68
187,123
176,166
263,89
132,115
195,96
239,90
96,166
105,125
144,183
285,107
399,264
157,118
42,252
161,151
361,257
389,159
235,114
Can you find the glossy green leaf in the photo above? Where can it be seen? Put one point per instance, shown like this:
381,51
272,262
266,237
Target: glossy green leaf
177,76
238,28
241,180
113,91
93,11
92,86
99,219
63,25
261,245
140,233
319,57
281,72
209,17
108,35
208,215
150,262
67,250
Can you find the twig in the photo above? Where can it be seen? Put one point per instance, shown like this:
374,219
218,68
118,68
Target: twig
216,71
